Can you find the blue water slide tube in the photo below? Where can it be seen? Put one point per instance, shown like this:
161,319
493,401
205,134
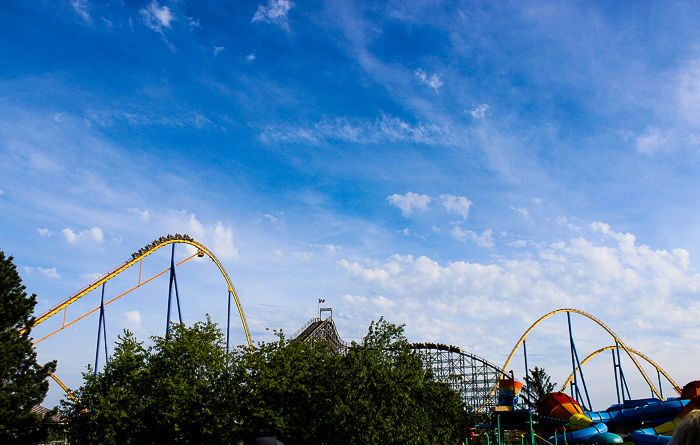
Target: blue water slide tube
581,436
602,419
649,436
651,411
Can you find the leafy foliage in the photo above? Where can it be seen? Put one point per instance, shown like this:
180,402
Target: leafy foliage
23,382
184,389
176,391
539,384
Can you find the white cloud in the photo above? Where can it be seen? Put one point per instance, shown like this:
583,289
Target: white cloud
277,252
216,237
385,128
2,192
328,248
250,57
82,7
457,204
523,211
27,269
563,221
404,232
306,256
156,18
536,201
193,23
45,232
58,117
638,291
409,201
653,140
518,243
94,234
143,216
275,12
485,239
433,82
218,49
91,277
133,317
51,273
478,112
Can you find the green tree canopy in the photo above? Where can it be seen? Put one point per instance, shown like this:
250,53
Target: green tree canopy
23,382
185,389
539,385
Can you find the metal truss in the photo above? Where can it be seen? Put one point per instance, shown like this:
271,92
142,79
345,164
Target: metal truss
471,376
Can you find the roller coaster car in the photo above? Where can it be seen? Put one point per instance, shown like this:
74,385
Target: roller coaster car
200,253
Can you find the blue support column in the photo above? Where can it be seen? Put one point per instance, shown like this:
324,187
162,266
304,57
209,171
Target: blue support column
527,370
173,280
617,386
101,331
228,320
574,388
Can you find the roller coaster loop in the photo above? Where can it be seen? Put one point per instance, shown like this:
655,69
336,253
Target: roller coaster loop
608,348
601,324
136,258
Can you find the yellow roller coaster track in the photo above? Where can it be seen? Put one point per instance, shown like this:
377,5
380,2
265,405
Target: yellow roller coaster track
601,324
116,271
608,348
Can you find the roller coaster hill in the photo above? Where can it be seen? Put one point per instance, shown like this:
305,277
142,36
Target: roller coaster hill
510,406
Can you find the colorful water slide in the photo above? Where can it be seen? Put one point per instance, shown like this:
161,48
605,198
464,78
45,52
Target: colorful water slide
598,422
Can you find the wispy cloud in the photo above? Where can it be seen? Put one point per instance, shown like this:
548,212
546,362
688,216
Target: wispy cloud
433,81
218,237
51,273
457,204
133,317
45,232
522,210
485,239
304,256
93,235
479,111
328,248
156,18
82,8
385,128
275,12
218,49
409,201
143,215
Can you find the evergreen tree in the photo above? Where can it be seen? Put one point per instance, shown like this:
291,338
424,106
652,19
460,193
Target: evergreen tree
539,385
23,382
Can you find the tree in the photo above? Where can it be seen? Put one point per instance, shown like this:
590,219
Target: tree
377,393
185,389
538,385
23,382
176,391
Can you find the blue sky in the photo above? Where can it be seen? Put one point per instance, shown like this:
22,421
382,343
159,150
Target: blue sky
460,167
